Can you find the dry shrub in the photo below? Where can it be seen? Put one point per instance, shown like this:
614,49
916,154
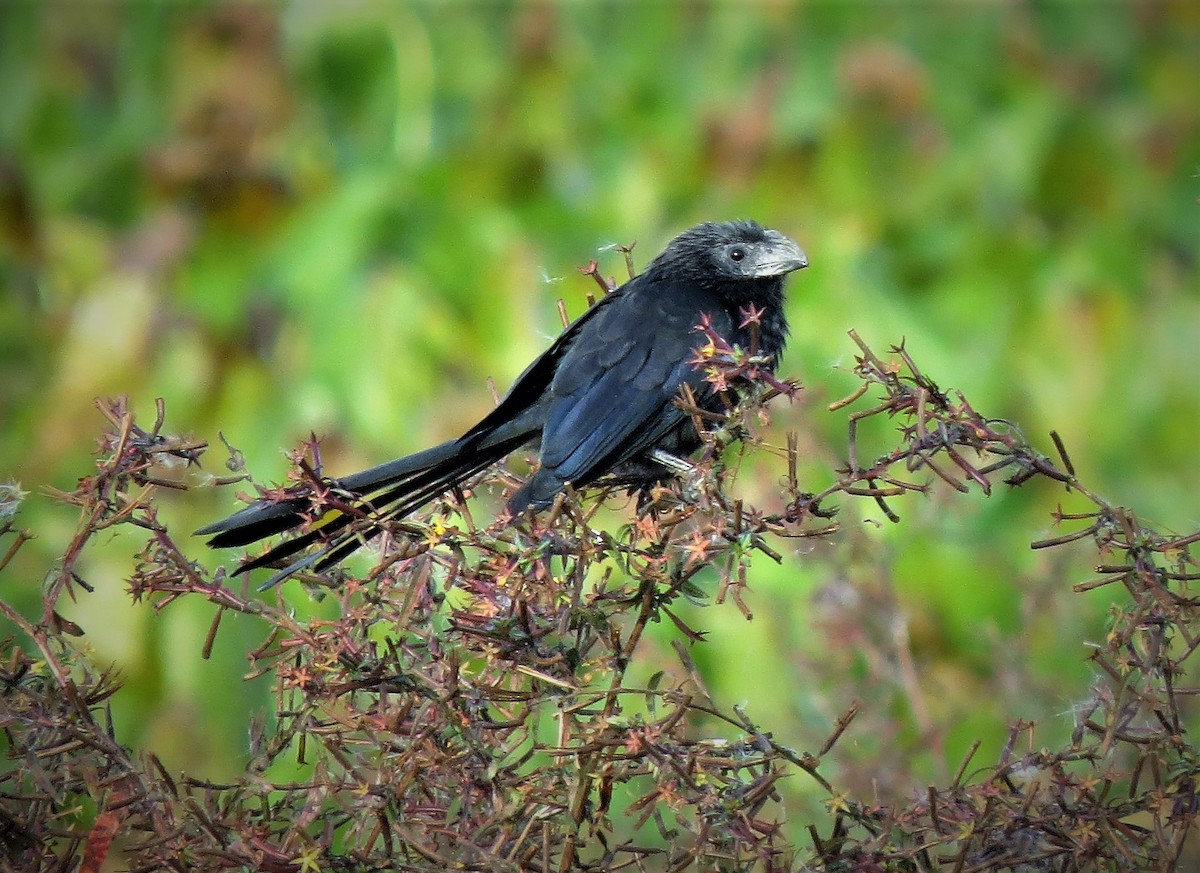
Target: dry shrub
471,705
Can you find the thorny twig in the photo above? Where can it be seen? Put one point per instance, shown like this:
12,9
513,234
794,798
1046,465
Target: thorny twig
494,725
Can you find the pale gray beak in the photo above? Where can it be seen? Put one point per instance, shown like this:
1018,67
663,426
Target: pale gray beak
779,257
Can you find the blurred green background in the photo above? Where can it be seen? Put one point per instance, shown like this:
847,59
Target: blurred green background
343,218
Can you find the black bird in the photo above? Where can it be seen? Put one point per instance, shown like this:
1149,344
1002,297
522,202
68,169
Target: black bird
601,399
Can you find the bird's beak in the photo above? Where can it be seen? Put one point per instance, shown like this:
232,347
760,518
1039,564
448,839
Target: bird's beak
780,256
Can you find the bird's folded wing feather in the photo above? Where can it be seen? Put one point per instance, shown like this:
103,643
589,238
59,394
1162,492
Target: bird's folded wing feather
613,393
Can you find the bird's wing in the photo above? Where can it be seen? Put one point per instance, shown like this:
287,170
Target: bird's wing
614,391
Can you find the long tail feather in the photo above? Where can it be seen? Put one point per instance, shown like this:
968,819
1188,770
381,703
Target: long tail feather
255,522
342,532
267,518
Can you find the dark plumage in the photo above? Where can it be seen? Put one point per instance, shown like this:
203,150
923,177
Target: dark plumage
600,399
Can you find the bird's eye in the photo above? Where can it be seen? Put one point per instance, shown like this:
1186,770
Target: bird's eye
736,254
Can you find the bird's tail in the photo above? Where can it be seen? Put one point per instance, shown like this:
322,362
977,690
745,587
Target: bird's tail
370,498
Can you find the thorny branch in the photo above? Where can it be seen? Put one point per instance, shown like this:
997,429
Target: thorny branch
496,726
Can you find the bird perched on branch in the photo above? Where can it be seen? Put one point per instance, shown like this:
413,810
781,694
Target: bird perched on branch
603,398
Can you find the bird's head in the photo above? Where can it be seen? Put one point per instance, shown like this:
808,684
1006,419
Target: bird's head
730,251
